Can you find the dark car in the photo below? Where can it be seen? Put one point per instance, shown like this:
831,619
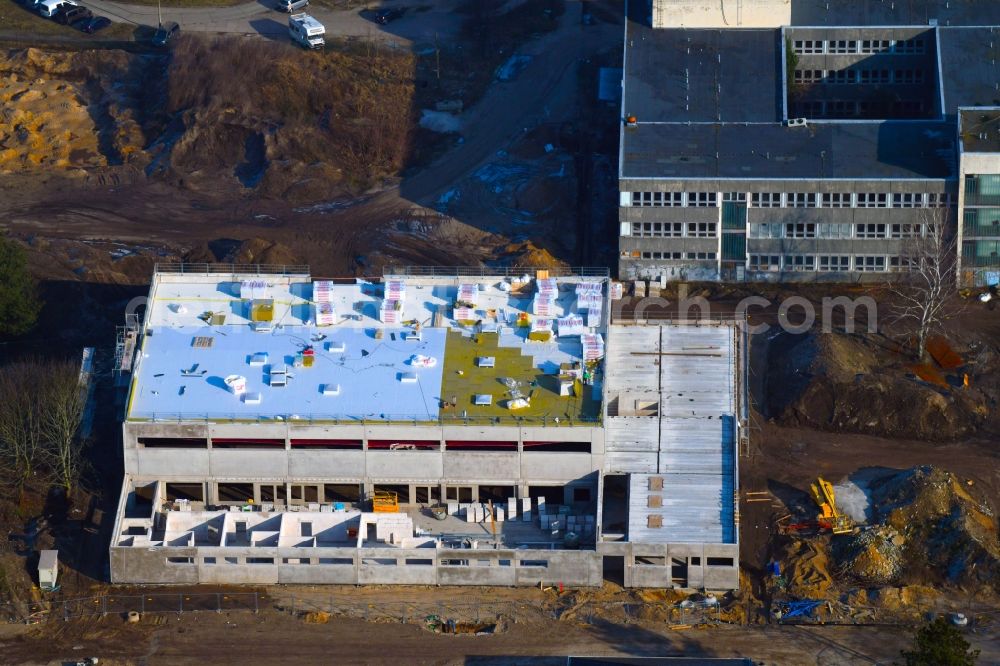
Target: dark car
70,15
165,33
384,16
92,24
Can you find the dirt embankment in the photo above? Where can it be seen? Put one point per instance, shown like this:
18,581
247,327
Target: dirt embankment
312,126
864,384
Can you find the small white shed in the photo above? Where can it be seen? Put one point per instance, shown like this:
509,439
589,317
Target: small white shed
48,569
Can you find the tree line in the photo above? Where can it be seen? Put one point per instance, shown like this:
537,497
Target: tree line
42,404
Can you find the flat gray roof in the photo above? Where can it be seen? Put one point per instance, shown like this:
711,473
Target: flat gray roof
708,102
702,75
911,12
854,150
970,66
980,130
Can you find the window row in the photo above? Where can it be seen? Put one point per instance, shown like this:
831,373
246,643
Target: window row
696,256
864,46
852,108
829,230
849,200
674,229
828,263
675,199
859,76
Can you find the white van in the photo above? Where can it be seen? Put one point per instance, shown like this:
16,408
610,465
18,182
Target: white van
49,8
289,6
306,30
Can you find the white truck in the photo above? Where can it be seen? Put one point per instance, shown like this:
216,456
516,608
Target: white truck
306,30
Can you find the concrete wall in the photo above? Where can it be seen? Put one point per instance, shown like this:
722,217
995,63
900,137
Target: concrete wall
363,466
376,566
684,566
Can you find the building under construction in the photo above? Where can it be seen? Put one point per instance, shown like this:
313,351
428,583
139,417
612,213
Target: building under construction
434,426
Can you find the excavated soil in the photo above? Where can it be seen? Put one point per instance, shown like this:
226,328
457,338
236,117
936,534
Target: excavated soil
863,383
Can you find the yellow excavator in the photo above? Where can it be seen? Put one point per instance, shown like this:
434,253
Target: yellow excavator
822,492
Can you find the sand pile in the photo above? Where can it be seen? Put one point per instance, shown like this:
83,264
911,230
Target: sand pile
874,556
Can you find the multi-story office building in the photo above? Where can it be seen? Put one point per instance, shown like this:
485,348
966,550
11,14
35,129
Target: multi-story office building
979,196
464,427
802,140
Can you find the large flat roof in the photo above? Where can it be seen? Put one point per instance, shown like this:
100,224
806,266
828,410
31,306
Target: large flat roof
358,364
708,102
857,150
674,391
702,75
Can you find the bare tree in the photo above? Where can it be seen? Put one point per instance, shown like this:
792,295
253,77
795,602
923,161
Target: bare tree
65,398
21,440
926,289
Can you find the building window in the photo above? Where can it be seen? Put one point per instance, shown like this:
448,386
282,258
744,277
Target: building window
800,262
809,75
701,229
842,46
765,262
701,199
734,197
834,230
869,264
870,46
766,200
875,76
834,262
873,200
840,108
836,200
909,46
802,200
869,231
657,198
939,200
701,256
800,230
808,46
765,230
906,230
840,77
904,264
907,200
658,229
908,76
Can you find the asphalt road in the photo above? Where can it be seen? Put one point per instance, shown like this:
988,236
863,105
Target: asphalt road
260,18
544,91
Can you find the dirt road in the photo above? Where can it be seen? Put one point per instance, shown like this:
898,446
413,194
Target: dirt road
278,638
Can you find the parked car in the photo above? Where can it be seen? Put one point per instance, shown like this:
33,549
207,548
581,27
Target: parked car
384,16
165,33
49,8
70,15
93,24
290,6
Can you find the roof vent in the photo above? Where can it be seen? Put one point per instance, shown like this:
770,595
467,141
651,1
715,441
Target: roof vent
631,121
797,122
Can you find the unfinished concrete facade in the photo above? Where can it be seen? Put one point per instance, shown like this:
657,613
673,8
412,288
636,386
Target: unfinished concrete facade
256,445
